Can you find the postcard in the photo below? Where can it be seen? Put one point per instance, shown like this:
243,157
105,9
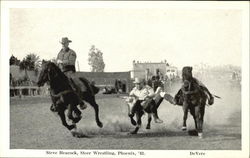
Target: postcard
124,79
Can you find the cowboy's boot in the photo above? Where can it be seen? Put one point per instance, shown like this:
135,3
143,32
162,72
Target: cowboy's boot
156,118
169,98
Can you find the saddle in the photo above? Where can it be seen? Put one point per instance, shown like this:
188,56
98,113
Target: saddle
82,85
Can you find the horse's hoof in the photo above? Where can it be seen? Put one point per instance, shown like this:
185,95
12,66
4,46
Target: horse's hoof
71,127
184,128
200,135
133,132
77,119
76,134
99,124
73,132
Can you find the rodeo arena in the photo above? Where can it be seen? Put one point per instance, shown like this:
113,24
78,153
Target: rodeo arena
153,106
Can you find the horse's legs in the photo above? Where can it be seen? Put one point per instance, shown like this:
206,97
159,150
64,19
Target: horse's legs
92,102
77,111
149,120
185,115
192,111
63,119
199,113
96,107
70,115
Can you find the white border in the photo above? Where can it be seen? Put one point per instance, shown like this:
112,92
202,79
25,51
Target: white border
4,91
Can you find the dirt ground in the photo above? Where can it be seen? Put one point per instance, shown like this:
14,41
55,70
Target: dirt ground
33,126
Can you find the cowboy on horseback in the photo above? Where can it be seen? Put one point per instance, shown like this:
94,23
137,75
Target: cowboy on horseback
66,59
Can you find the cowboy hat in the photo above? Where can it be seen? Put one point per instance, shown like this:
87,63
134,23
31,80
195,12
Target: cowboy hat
138,80
65,40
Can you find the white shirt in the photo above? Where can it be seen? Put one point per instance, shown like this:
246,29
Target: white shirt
143,93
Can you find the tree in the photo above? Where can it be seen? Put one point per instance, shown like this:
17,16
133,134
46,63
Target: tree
96,60
35,61
25,65
31,62
14,60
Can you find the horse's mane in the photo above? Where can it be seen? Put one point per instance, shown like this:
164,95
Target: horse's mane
57,70
61,78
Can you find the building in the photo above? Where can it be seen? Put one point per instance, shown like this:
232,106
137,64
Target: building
108,79
171,72
148,69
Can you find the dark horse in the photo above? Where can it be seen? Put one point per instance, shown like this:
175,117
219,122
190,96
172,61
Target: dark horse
64,96
193,97
193,100
150,109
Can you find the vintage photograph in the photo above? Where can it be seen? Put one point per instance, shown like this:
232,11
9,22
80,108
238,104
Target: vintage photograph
121,78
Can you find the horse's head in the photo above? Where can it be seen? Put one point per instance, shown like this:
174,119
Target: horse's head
187,73
48,72
186,84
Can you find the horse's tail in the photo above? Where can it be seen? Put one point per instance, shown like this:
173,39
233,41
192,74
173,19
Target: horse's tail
216,96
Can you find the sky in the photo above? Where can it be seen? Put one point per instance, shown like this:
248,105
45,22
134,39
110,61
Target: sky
180,36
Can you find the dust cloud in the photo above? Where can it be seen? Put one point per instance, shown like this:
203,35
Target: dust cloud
224,111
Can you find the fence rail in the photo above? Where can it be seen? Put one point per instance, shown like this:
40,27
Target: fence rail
27,90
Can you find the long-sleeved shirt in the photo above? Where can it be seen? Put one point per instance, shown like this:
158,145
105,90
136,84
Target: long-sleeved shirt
67,57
